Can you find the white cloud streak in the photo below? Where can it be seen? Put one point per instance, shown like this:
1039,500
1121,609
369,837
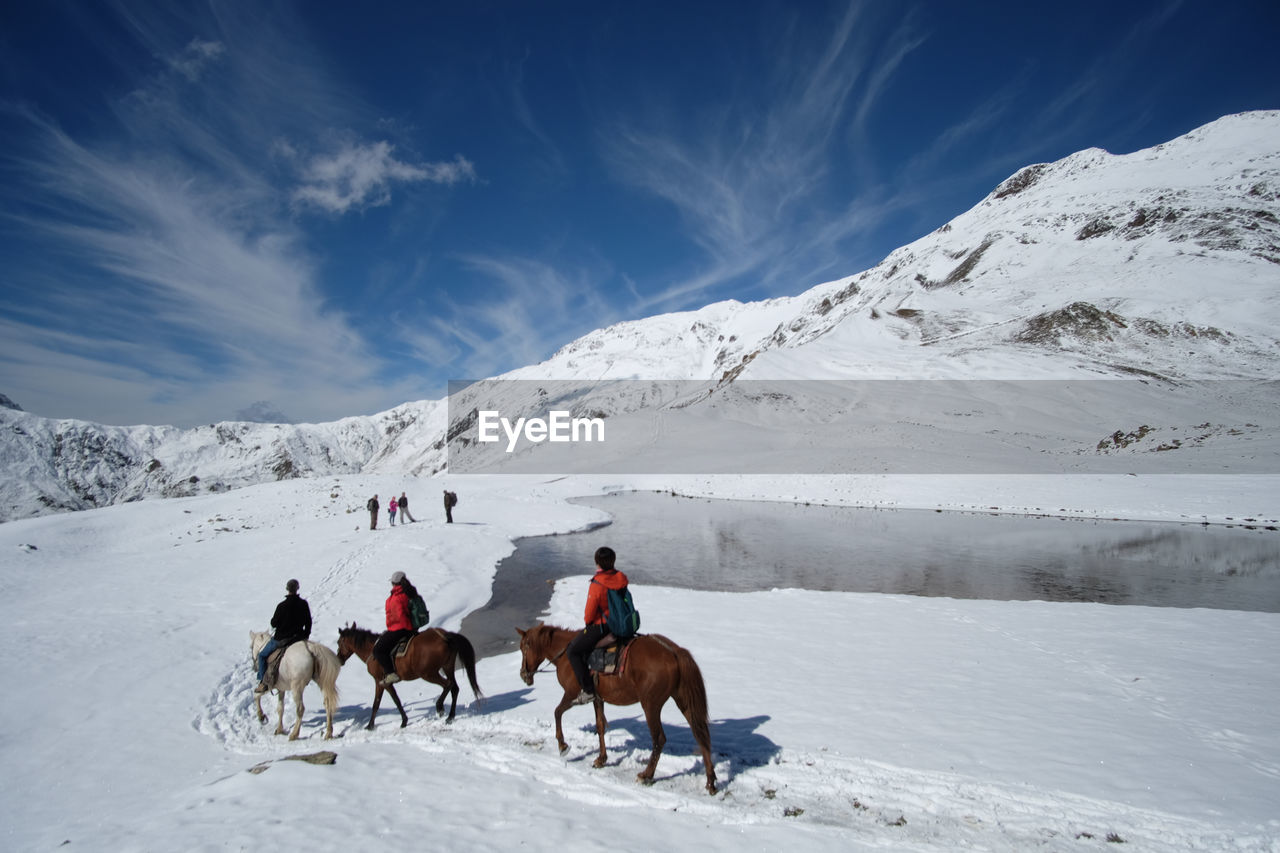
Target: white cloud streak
750,183
357,176
165,279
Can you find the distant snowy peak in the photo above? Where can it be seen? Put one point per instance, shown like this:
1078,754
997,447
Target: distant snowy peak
1164,261
6,403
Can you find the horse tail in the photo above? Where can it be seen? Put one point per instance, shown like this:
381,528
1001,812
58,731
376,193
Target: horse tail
327,668
467,652
691,697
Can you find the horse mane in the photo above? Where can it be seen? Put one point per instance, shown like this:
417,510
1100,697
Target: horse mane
355,631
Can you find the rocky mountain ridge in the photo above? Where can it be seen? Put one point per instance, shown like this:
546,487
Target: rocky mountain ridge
1161,263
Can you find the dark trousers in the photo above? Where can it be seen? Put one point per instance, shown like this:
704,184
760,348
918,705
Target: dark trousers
579,648
384,645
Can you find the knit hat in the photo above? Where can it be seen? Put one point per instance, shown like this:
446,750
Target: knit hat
398,577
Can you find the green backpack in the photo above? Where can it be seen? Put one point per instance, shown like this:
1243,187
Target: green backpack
623,620
418,613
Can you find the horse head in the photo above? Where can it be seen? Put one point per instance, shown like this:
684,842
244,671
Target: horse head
350,638
257,639
531,653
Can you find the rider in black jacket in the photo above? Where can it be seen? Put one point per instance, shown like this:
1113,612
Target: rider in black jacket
291,621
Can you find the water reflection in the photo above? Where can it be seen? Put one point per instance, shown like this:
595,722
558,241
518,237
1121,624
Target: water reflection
744,546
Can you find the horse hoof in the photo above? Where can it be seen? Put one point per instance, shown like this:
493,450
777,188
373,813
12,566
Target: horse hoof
711,788
598,763
644,780
564,747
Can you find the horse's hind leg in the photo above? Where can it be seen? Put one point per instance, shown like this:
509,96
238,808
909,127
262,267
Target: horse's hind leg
280,713
601,726
298,709
653,716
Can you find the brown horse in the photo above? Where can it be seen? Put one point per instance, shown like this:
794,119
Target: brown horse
656,670
432,655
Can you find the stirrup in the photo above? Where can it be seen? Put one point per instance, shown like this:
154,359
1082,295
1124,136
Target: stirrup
390,679
584,698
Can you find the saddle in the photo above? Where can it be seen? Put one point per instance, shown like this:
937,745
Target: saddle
403,646
273,664
609,657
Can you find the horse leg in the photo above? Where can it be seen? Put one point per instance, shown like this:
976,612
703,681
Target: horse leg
437,678
653,716
257,701
404,718
377,700
704,747
565,704
298,710
280,712
450,687
601,725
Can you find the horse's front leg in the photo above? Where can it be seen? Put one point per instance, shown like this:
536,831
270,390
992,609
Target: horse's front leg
257,702
601,725
298,711
653,716
565,704
377,700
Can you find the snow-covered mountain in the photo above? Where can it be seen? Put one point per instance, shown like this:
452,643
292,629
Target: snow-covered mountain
1161,264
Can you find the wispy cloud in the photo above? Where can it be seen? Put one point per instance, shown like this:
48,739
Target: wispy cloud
751,181
529,307
167,278
361,175
195,57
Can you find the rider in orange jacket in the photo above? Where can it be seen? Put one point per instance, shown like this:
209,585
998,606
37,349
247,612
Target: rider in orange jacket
596,615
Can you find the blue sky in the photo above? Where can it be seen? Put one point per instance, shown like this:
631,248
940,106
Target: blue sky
338,207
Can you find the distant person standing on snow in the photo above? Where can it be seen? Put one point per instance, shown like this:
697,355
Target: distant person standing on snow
450,501
372,506
404,510
391,510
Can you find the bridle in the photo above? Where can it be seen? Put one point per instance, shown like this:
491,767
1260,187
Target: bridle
526,675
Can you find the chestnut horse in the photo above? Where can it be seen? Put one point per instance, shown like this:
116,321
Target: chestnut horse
656,670
432,655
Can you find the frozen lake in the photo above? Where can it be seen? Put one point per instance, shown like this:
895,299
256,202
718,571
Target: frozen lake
741,546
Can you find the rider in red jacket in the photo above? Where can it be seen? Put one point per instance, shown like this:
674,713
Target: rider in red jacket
597,613
399,625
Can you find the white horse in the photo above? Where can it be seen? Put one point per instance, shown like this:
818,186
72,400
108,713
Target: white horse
303,662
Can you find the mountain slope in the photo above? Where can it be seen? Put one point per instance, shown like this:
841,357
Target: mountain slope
1162,263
